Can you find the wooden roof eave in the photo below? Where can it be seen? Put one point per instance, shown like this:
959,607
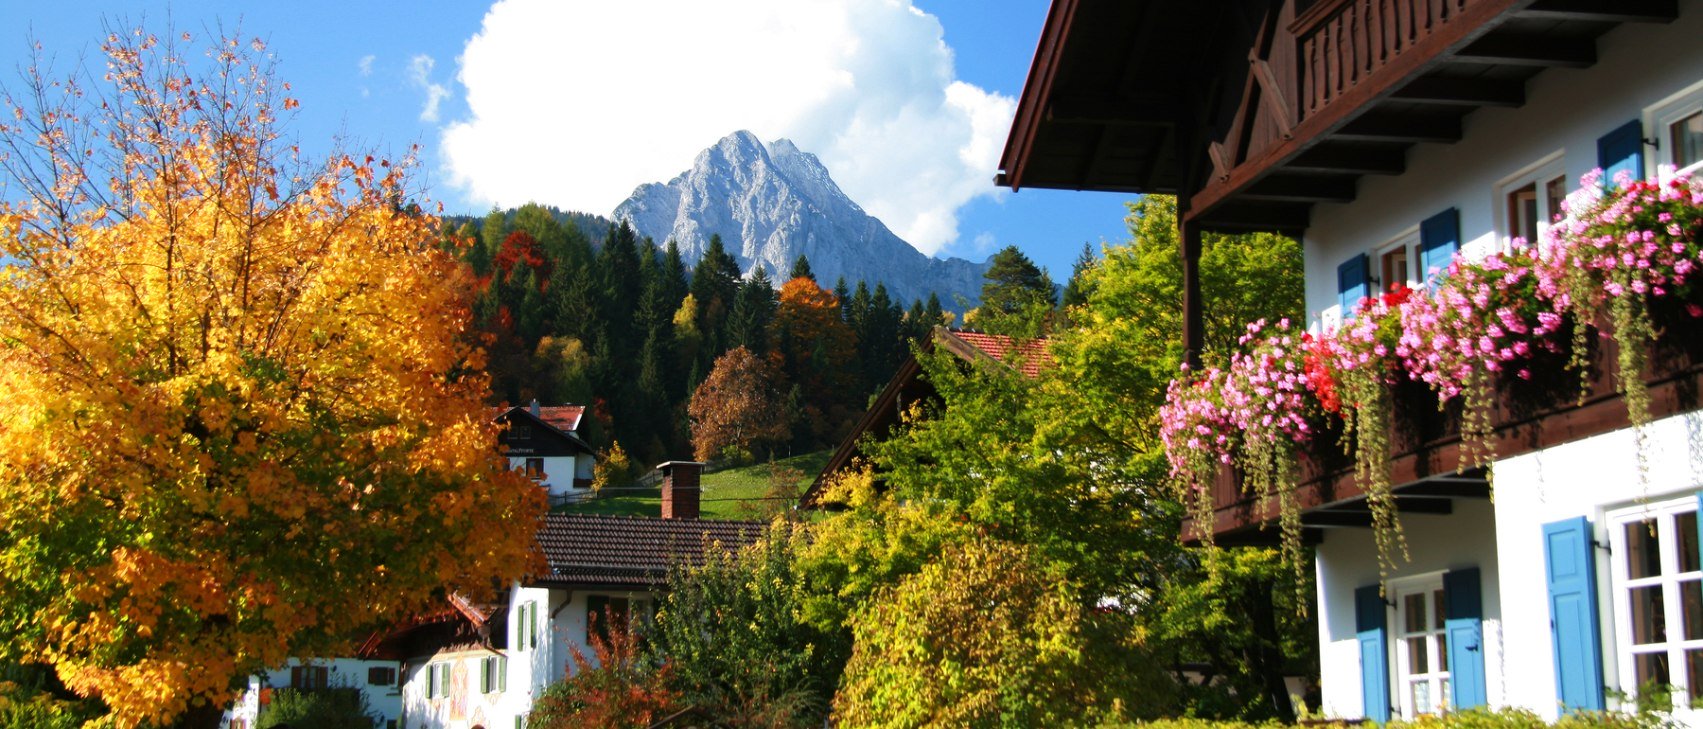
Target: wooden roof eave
1037,90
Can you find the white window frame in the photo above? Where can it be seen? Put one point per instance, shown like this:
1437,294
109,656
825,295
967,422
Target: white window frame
1621,586
1400,676
1407,240
1657,120
1537,175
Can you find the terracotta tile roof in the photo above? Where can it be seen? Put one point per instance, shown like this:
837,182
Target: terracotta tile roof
1026,356
632,550
561,417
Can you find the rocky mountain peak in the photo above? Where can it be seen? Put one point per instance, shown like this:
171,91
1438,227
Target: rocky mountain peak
771,203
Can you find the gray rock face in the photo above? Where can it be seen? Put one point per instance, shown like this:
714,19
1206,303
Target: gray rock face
770,204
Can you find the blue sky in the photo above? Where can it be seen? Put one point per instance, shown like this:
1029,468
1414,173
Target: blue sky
643,89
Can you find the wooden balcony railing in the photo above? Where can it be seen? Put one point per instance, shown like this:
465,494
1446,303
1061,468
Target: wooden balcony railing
1343,42
1529,415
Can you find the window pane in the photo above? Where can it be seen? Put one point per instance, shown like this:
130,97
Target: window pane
1691,604
1439,610
1417,661
1395,268
1650,670
1688,140
1443,692
1422,697
1414,613
1694,673
1442,651
1643,551
1649,619
1686,524
1556,191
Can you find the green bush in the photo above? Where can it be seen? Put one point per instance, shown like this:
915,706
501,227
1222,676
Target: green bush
329,708
1473,719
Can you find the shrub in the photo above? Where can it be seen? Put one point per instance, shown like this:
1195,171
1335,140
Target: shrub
328,708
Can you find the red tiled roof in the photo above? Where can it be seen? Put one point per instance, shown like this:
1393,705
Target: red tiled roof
632,550
1026,356
561,417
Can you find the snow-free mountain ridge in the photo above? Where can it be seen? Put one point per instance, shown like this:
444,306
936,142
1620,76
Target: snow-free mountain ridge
772,203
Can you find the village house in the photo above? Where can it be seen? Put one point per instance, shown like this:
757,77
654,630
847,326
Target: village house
473,665
544,442
1391,136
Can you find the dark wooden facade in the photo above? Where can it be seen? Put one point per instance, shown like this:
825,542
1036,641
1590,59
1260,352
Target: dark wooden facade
1252,111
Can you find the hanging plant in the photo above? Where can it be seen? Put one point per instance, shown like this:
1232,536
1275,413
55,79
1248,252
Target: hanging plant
1268,402
1481,319
1193,425
1360,359
1622,248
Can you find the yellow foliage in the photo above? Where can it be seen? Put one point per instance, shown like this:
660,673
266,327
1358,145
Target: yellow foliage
242,421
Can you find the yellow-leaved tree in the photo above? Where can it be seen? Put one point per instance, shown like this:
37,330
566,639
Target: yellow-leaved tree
239,418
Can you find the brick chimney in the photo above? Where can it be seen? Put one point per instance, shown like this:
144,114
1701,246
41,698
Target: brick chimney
680,489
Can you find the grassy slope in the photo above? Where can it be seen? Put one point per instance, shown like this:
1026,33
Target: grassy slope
723,492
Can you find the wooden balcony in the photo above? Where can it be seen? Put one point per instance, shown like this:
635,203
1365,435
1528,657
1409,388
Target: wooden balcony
1254,111
1426,446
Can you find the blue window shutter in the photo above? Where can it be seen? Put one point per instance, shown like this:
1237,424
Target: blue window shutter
1374,652
1621,150
1439,240
1353,283
1572,574
1462,591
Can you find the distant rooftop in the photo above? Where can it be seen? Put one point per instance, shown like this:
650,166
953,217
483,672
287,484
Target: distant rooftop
632,550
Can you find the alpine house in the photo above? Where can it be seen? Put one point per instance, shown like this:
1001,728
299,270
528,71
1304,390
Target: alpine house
1486,309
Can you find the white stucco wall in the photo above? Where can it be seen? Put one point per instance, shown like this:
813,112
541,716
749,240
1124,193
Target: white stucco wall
559,474
384,702
1348,559
1566,110
1585,478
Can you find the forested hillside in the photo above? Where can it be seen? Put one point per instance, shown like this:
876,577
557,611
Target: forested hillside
622,324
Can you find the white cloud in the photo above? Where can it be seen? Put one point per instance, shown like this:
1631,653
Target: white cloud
575,104
420,74
983,243
366,64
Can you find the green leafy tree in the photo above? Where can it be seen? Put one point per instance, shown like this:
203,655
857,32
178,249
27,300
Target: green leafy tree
328,708
984,635
731,631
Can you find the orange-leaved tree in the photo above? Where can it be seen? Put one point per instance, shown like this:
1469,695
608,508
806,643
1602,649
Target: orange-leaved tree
820,354
239,420
737,407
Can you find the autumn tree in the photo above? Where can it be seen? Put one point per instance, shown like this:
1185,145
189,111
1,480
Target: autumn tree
737,408
240,422
818,353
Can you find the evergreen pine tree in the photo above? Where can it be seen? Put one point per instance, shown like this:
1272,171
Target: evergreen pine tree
715,281
1075,291
843,294
1016,296
801,269
933,315
753,309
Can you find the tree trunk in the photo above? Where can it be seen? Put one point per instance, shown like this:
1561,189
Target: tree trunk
1268,654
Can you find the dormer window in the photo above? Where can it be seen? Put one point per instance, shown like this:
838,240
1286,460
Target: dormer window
520,432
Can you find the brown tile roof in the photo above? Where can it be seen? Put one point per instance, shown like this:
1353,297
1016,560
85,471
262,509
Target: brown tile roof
632,550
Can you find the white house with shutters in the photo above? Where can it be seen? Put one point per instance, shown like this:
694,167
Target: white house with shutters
544,442
1390,136
484,665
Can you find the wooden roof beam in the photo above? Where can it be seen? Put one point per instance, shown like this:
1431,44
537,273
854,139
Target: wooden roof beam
1357,160
1504,49
1302,188
1407,128
1619,11
1111,112
1462,92
1258,217
1457,488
